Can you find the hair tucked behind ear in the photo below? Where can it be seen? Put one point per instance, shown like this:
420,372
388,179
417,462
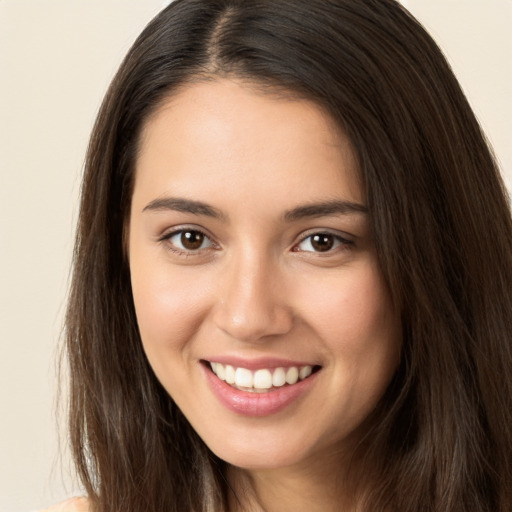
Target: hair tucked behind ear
441,439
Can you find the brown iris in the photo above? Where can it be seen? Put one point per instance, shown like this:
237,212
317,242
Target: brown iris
192,240
322,242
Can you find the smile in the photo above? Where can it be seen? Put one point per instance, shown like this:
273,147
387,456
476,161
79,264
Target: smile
265,390
262,380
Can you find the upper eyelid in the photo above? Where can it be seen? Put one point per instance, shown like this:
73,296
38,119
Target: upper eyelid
165,237
169,232
346,237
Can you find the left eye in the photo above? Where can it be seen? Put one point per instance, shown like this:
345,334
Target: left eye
321,242
189,240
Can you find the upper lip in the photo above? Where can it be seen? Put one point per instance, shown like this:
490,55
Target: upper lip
259,362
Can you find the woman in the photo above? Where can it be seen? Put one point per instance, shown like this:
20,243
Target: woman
292,282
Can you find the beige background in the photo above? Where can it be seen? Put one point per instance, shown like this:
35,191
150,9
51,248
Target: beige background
56,59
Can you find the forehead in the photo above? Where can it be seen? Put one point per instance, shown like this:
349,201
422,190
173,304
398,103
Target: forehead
220,137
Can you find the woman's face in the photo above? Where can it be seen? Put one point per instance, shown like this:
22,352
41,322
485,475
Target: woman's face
251,253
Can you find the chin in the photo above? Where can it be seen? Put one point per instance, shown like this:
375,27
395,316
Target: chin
260,459
262,449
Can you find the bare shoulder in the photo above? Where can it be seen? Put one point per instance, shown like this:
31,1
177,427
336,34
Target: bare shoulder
71,505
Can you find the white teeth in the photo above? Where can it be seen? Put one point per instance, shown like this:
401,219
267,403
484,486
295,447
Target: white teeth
261,380
243,378
221,372
279,377
292,375
230,374
304,372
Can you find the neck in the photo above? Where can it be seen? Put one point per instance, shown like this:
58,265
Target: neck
312,485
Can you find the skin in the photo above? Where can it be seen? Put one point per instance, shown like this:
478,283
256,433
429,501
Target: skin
71,505
258,287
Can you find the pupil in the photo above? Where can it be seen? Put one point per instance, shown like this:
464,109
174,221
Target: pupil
322,243
192,239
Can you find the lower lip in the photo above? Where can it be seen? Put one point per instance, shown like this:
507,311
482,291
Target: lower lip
257,404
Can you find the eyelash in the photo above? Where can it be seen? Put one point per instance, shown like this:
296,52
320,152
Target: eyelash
185,252
339,242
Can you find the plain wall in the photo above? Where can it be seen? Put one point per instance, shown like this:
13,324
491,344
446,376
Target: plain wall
56,59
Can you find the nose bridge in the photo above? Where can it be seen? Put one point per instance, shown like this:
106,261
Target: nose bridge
252,303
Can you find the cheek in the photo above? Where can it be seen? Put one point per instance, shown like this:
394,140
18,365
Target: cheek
353,306
362,333
354,316
169,307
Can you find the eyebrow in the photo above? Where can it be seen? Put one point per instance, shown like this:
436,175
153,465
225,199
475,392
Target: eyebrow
321,209
332,207
184,205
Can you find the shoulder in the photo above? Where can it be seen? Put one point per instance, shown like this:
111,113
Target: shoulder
71,505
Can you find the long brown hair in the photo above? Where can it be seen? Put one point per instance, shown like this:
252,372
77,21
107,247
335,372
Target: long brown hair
443,232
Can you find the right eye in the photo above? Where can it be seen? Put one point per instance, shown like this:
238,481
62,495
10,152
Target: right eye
187,241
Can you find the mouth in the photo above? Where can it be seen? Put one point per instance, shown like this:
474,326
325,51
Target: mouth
261,380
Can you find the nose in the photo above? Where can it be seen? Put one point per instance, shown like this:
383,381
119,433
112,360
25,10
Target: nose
252,303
